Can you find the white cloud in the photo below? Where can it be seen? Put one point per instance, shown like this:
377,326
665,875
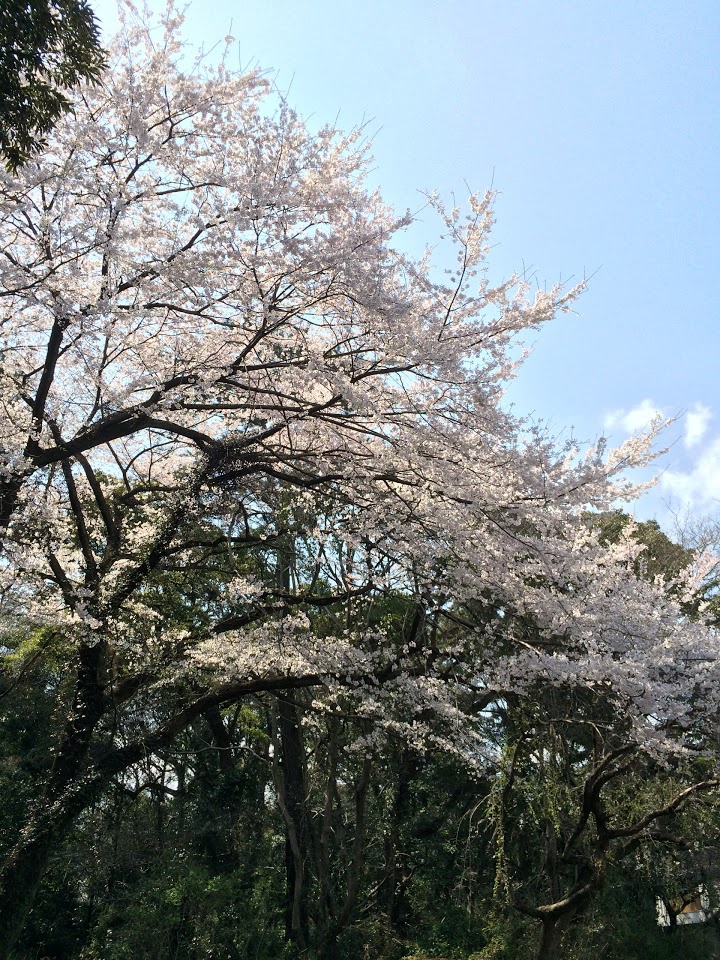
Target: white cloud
637,418
696,424
698,487
693,479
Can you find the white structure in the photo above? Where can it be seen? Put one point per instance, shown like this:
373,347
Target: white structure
693,907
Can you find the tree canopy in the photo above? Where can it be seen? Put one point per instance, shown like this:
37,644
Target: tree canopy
251,452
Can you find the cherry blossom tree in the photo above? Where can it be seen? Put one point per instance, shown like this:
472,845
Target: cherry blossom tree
231,406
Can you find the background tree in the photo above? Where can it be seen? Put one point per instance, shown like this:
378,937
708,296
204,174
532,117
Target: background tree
577,795
46,48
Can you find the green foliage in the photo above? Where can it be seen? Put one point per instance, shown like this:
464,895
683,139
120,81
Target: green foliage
185,913
32,686
622,925
46,47
661,557
184,857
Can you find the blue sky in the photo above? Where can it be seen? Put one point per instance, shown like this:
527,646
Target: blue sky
598,123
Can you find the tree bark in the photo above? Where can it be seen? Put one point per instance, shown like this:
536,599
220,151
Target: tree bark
550,939
65,796
24,868
295,846
9,490
290,787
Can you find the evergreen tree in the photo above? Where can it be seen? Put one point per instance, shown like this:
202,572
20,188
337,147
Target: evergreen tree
46,47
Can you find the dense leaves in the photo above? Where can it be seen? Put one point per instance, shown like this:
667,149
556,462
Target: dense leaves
46,48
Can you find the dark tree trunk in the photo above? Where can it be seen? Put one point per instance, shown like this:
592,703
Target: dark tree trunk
65,796
9,490
25,866
19,882
333,918
550,939
397,906
297,925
